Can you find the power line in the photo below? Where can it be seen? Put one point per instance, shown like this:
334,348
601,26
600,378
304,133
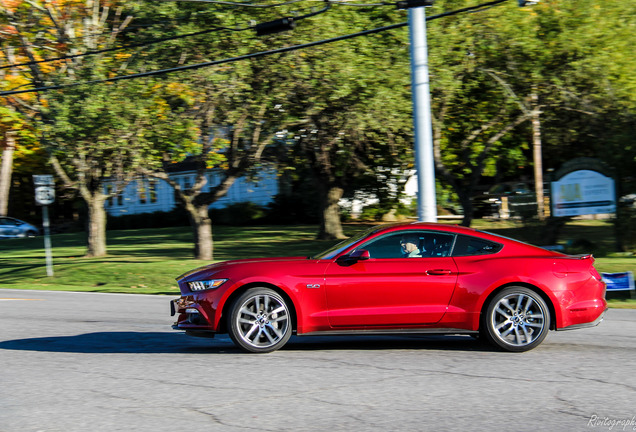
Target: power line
140,44
211,63
479,7
152,42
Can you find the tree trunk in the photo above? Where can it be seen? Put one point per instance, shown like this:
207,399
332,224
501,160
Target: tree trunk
330,225
96,236
203,247
467,206
538,160
202,230
5,173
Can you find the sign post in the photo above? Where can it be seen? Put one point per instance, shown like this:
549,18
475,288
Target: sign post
44,196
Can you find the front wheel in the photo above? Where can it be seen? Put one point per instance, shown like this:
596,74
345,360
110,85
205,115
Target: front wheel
517,319
260,321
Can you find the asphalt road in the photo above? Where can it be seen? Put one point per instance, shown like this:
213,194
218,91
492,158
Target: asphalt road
108,362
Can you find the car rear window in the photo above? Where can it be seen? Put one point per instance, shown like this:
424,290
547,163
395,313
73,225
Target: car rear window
468,246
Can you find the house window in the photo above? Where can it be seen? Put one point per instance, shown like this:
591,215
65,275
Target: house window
152,189
187,183
141,191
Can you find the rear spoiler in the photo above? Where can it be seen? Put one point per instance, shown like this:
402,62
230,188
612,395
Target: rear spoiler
583,257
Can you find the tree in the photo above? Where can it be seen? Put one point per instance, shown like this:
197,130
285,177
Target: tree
235,128
101,137
494,71
287,96
351,108
234,108
92,134
21,156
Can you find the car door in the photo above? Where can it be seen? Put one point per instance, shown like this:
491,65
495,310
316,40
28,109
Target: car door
389,288
8,227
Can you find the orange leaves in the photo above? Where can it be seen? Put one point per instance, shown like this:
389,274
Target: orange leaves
8,30
10,4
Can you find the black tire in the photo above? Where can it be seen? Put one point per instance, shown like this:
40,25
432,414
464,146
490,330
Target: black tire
31,234
517,319
260,321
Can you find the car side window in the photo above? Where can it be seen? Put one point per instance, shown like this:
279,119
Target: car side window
438,245
384,247
468,246
410,244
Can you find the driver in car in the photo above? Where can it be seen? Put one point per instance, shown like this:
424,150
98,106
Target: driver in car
409,244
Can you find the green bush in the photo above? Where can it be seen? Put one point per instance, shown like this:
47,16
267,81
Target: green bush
625,225
297,207
174,218
243,213
376,212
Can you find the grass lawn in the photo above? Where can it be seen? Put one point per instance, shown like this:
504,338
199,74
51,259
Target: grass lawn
148,261
141,261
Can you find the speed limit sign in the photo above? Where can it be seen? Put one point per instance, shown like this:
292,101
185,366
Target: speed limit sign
44,195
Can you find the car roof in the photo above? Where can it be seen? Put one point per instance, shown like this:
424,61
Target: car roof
452,229
429,226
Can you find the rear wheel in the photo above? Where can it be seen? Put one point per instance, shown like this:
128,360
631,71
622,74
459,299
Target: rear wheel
260,321
517,319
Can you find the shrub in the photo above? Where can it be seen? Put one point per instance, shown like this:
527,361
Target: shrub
294,208
176,217
243,213
625,226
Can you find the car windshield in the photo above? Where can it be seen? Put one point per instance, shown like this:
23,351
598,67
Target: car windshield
334,250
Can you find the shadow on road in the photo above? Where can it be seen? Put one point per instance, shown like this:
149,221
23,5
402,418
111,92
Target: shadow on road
179,343
122,343
411,342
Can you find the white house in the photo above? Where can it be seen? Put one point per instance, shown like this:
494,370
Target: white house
147,195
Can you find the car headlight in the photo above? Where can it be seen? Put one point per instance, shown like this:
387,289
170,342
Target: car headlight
205,284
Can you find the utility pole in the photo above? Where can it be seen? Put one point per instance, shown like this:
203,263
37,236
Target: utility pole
422,119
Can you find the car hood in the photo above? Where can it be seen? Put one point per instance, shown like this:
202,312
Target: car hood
223,265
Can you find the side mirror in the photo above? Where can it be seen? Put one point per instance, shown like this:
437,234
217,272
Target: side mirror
353,257
359,255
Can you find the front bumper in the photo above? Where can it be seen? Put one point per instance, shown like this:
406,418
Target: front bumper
193,316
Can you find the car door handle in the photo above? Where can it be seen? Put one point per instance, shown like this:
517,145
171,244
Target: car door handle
438,272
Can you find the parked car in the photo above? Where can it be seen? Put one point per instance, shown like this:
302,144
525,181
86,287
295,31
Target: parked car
460,281
11,227
521,201
628,200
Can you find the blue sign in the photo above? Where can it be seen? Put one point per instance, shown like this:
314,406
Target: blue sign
583,192
619,281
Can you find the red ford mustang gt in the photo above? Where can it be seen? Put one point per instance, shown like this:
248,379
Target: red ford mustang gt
403,278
